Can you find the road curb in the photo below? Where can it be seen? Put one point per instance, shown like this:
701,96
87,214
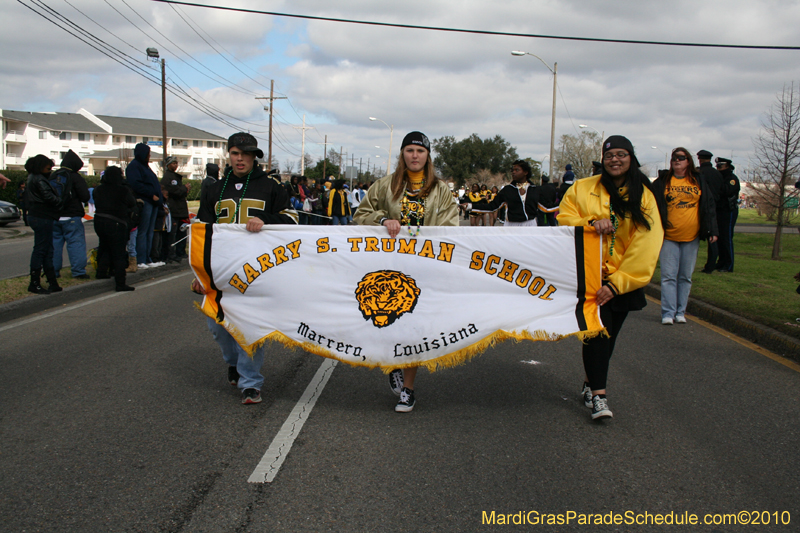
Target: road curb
34,304
769,338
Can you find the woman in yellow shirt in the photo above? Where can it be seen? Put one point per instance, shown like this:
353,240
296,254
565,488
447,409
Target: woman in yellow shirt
619,204
691,217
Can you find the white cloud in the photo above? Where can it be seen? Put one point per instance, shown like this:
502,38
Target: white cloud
438,82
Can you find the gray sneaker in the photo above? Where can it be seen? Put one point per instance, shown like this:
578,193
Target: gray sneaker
406,403
396,381
600,408
587,395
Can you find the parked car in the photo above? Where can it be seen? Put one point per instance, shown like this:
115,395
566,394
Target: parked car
8,213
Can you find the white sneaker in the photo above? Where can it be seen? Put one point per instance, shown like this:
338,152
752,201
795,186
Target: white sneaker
667,321
396,381
154,265
680,319
142,265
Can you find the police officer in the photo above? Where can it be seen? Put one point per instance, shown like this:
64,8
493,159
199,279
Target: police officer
714,180
727,213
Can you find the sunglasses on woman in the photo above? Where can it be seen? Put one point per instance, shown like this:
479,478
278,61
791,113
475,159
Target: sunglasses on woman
678,158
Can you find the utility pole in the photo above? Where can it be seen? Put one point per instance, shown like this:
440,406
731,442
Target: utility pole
303,150
271,98
341,163
325,160
163,113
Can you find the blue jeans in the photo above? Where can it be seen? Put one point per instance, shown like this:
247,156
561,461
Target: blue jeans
144,240
249,368
72,232
339,221
132,242
42,255
677,265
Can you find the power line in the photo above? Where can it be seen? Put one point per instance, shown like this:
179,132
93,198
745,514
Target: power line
483,32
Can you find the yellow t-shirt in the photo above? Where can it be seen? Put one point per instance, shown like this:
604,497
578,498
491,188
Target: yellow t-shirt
683,208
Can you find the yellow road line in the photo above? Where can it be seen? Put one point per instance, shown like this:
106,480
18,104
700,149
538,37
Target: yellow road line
744,342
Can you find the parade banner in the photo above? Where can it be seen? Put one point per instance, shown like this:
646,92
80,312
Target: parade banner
434,299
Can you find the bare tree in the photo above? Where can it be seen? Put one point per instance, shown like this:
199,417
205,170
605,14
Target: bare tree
288,166
578,151
777,157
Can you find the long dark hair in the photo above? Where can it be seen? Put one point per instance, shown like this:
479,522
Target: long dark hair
637,182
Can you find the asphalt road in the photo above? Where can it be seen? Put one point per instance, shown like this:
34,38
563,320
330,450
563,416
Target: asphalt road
116,416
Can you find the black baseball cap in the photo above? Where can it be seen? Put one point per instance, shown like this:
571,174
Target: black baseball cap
244,142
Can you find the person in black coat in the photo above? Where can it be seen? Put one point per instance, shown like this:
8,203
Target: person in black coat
45,200
548,200
727,213
715,186
113,201
68,229
520,196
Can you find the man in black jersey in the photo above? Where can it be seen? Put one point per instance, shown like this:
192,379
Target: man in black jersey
244,194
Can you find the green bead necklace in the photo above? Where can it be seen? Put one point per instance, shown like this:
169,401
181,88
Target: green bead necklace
239,203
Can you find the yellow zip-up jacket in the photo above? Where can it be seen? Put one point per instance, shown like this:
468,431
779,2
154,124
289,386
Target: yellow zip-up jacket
440,206
635,249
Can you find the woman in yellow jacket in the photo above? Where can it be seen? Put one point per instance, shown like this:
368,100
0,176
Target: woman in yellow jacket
412,197
619,204
338,206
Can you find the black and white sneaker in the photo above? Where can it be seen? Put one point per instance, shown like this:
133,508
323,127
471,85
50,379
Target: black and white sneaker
233,376
587,395
251,396
406,403
396,381
600,408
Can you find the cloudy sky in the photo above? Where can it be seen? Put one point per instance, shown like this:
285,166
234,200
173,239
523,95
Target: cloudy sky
339,74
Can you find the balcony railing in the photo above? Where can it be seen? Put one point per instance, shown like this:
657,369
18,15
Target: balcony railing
15,137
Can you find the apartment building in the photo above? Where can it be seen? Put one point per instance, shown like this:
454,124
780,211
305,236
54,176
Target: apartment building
102,140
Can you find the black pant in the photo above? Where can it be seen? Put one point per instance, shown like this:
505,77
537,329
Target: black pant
42,254
111,250
724,222
175,234
597,351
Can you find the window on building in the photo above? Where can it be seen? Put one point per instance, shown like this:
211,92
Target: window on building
65,136
130,139
53,154
117,140
54,134
83,136
176,142
210,160
216,144
197,161
145,140
62,155
209,144
196,144
43,135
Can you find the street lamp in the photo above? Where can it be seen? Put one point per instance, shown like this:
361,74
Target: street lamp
554,70
663,152
391,135
152,55
602,134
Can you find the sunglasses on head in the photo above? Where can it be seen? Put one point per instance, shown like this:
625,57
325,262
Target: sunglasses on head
678,158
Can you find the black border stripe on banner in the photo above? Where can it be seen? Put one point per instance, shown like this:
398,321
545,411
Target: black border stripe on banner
581,271
207,267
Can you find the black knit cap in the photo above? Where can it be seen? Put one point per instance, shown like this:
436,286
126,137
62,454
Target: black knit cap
244,142
418,138
622,143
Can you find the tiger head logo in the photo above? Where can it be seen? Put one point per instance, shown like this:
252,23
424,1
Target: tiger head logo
386,295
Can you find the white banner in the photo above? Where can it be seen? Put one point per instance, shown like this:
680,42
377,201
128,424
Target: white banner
436,299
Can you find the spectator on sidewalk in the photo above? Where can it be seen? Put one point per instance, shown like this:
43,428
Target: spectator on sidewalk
113,204
45,201
727,213
146,187
715,185
177,192
69,226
